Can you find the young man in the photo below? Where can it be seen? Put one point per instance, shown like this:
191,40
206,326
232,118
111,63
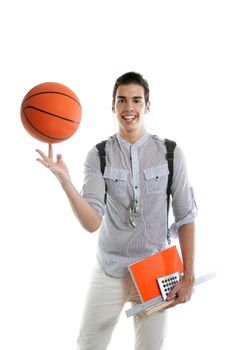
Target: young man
133,221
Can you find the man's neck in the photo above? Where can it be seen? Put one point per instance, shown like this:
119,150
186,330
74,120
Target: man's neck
132,137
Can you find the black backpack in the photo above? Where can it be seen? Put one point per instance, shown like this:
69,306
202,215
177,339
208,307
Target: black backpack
170,147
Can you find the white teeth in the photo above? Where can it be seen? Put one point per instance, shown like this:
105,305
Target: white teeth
129,117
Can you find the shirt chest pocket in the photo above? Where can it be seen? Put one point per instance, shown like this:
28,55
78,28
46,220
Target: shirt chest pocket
116,181
156,179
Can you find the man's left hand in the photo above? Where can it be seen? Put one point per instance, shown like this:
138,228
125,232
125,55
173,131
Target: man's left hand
181,292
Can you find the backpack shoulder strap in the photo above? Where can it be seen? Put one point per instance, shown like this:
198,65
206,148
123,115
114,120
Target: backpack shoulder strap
102,154
170,147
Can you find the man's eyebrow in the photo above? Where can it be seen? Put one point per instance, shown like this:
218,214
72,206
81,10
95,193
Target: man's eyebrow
124,97
121,97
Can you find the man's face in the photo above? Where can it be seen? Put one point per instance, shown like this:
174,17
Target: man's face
130,107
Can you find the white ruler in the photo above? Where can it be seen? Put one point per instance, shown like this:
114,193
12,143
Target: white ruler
159,300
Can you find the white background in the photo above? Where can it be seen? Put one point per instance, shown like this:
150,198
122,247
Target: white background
184,49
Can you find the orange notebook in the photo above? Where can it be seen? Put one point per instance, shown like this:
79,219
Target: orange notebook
145,272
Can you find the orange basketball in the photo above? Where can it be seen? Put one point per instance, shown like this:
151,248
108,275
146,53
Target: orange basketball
51,112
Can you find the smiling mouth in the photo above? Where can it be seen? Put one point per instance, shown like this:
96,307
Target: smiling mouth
129,117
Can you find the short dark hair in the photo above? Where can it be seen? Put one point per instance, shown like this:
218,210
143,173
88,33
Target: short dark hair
131,78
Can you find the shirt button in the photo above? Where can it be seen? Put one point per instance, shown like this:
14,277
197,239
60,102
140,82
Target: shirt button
136,187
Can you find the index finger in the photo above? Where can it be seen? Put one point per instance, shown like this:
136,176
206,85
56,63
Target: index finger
174,293
50,152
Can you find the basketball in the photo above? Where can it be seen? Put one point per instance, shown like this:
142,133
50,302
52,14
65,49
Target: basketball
51,112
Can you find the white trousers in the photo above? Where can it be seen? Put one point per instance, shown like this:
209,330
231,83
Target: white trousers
105,300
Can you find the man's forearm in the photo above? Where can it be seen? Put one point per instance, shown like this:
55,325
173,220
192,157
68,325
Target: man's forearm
187,245
87,216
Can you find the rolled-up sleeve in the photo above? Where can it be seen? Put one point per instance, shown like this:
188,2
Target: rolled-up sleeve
94,186
183,200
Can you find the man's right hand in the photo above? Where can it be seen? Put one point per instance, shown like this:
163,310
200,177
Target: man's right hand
58,167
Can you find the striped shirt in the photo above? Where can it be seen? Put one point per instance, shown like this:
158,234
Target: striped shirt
135,172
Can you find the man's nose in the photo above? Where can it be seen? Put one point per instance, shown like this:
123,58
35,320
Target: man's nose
129,106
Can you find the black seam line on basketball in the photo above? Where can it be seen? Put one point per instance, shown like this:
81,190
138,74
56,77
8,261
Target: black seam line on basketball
52,114
50,137
53,92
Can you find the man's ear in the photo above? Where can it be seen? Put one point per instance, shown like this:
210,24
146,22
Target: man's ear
148,107
113,105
